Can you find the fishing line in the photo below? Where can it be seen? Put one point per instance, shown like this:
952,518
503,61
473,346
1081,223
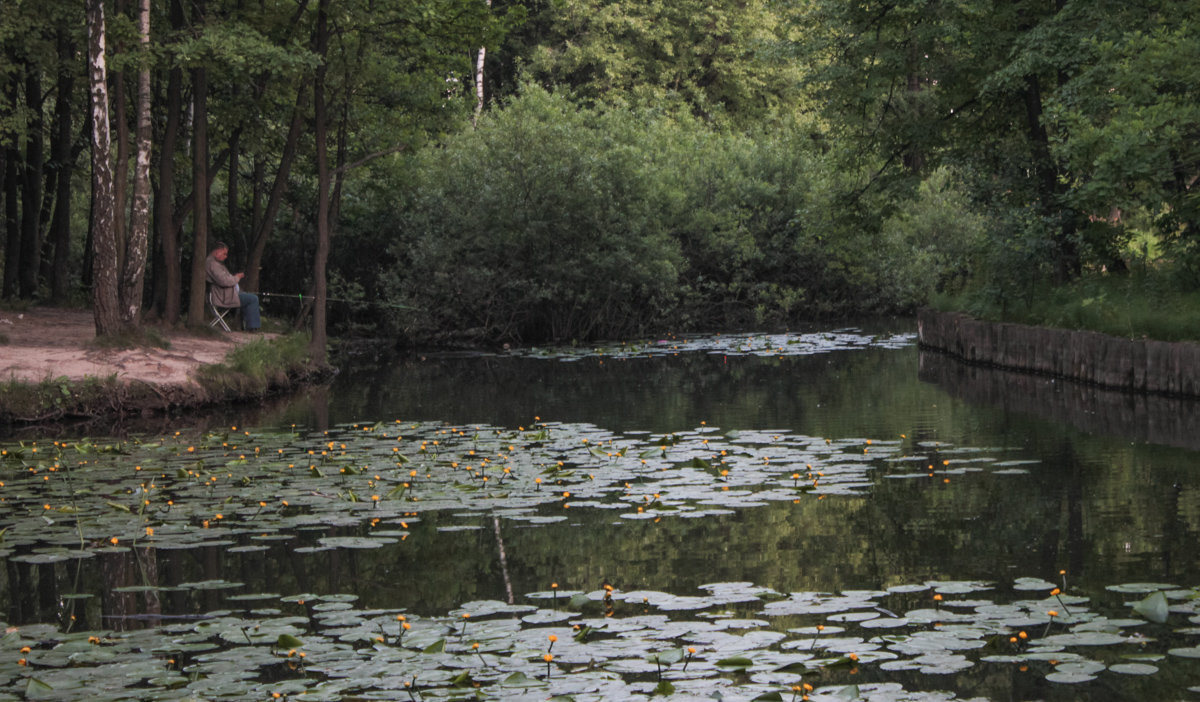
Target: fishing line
300,297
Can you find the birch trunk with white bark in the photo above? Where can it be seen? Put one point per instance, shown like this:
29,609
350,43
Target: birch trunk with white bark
105,300
139,224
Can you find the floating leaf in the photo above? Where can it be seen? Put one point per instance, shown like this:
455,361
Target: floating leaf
668,657
1134,668
519,679
1153,607
664,687
735,663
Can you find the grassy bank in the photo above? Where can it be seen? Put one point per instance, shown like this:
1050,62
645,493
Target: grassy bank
251,371
1152,304
260,367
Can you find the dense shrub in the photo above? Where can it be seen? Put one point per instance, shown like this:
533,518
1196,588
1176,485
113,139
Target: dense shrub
552,222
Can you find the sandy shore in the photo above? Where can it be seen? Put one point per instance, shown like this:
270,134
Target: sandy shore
46,343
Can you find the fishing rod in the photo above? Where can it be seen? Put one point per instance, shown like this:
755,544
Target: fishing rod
301,298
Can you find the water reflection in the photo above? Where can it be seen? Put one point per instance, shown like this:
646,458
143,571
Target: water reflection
1156,419
1075,495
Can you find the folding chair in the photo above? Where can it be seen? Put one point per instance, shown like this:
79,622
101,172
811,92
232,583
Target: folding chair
218,313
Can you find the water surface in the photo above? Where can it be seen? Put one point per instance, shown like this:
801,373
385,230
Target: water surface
922,473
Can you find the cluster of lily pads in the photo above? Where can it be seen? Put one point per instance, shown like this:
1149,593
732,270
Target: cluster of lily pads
72,501
66,500
736,642
741,344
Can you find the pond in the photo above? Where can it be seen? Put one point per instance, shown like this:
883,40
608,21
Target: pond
827,514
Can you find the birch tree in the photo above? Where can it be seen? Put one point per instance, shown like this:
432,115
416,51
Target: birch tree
479,64
139,225
105,302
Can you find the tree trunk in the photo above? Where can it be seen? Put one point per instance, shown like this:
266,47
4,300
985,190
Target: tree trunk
31,186
4,229
317,346
105,303
60,225
1066,255
12,224
11,284
164,201
200,195
232,212
199,184
266,223
479,64
139,223
121,125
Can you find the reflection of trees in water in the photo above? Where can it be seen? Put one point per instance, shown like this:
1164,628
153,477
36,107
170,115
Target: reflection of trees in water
127,599
1169,421
661,393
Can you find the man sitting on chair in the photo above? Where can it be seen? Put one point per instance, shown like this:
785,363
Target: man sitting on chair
225,289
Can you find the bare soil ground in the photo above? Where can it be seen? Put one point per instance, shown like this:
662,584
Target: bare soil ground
46,343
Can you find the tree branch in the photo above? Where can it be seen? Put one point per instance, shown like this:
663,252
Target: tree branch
369,157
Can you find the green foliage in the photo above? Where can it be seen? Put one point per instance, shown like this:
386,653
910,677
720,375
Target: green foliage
557,222
667,163
258,366
725,60
1129,123
933,244
1154,303
54,397
538,225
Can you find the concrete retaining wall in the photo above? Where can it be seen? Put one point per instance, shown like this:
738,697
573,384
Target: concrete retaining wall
1160,367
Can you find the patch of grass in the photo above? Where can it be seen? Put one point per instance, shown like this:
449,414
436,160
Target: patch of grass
138,337
1153,304
54,398
257,367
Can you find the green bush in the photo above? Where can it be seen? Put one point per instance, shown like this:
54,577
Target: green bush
542,224
932,245
555,222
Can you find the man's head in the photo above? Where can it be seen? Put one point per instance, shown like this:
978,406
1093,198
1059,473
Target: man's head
220,251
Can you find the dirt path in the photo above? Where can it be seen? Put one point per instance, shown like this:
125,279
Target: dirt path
47,343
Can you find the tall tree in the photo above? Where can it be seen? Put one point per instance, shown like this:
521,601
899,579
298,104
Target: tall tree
915,84
12,227
164,199
200,183
139,224
63,150
32,181
480,62
105,297
120,122
317,348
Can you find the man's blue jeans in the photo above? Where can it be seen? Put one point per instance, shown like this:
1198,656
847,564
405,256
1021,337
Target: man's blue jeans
250,318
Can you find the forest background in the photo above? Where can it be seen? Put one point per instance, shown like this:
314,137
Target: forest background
523,171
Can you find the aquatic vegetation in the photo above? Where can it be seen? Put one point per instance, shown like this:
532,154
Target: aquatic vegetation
72,502
736,639
146,567
740,344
